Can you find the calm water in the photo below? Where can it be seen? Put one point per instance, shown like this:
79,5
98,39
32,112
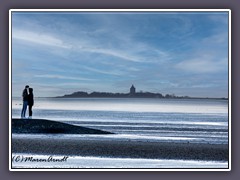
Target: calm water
190,120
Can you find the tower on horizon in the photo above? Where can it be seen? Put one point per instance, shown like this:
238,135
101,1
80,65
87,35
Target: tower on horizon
132,90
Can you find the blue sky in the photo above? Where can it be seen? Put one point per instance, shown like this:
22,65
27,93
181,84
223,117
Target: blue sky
182,53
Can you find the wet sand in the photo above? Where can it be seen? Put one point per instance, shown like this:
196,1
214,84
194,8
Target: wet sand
121,148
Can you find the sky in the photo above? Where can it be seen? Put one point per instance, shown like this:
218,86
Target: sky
181,53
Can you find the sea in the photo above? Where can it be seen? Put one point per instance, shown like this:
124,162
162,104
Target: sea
141,119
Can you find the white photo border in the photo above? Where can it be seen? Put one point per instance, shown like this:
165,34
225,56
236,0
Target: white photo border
119,10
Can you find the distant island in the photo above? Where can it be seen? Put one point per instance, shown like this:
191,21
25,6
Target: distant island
132,94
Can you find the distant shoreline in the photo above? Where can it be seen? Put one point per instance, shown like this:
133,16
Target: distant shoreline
137,98
82,94
194,98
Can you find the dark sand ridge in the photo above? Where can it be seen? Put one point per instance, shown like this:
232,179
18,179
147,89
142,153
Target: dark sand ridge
50,127
119,148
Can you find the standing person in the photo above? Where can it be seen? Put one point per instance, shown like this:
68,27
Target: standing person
25,101
30,102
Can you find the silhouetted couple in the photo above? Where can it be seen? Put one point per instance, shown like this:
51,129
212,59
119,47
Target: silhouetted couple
28,101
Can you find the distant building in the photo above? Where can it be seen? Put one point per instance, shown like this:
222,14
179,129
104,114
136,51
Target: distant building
132,90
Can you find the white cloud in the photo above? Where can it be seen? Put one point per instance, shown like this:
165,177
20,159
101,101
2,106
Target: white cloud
203,64
115,53
204,86
62,77
109,72
209,56
38,38
216,39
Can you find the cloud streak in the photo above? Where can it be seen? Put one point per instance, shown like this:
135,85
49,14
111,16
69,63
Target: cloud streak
202,65
85,45
41,39
62,77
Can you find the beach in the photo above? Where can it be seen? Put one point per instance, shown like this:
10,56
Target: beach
120,148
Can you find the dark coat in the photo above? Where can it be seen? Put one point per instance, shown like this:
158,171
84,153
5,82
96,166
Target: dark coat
30,100
25,95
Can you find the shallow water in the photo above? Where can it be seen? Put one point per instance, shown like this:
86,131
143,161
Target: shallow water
196,120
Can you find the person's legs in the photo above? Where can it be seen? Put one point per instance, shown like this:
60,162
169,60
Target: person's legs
30,111
24,108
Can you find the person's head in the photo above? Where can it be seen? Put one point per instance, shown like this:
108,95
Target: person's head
27,86
30,90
